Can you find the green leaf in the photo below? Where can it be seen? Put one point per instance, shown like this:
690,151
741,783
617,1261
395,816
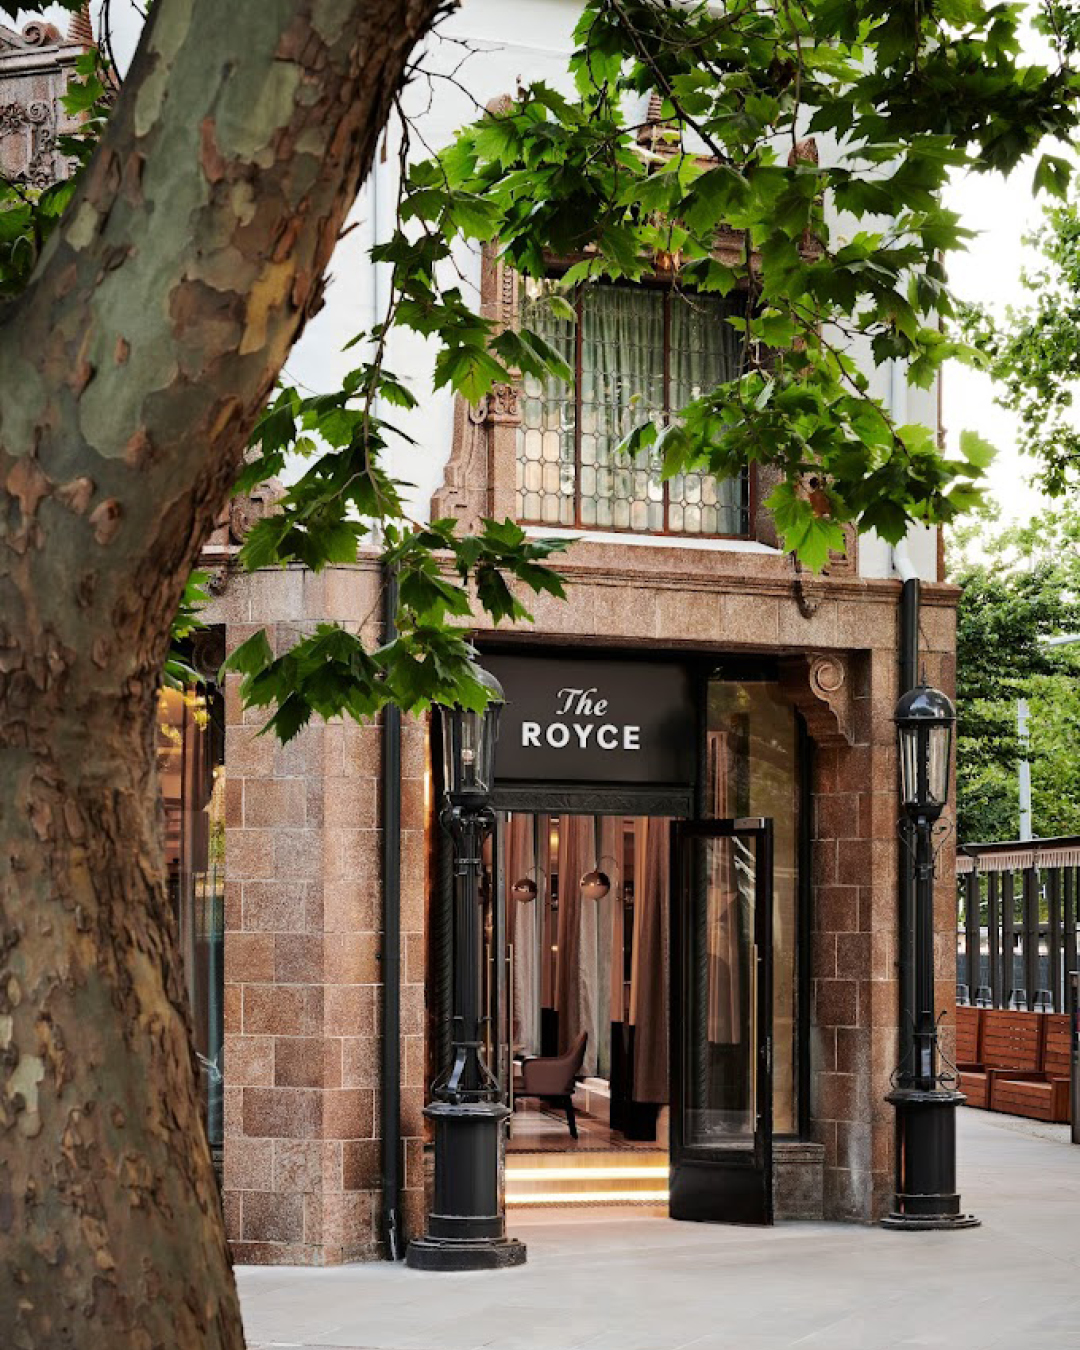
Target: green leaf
251,657
976,450
1052,175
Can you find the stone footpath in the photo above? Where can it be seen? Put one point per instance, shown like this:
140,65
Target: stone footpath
626,1281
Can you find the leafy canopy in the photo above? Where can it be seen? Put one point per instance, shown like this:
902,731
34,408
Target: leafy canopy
1022,588
836,246
1033,352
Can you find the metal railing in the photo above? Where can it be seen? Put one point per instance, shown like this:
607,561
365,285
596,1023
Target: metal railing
1016,923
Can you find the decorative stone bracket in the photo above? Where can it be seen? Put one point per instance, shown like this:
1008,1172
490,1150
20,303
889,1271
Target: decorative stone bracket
819,686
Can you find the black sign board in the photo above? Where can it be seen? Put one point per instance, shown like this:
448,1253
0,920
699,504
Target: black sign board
573,720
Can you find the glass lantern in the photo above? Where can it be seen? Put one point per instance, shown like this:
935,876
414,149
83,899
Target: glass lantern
924,719
469,745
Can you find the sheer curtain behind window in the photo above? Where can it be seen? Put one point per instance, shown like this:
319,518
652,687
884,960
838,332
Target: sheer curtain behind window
645,352
706,349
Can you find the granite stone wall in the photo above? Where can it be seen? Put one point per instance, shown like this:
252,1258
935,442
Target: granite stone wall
303,952
302,946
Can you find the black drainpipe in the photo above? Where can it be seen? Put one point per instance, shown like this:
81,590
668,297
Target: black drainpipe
392,1235
909,678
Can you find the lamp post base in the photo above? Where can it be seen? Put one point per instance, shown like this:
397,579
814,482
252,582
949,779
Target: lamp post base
926,1194
466,1229
493,1254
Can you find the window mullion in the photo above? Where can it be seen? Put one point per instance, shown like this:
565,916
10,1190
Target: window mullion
579,309
667,398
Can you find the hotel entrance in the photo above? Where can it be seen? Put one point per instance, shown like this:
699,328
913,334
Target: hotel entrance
646,934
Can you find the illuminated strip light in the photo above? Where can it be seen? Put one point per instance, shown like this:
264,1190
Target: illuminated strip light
589,1198
586,1173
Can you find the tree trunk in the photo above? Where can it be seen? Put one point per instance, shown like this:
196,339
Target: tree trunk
108,1204
134,367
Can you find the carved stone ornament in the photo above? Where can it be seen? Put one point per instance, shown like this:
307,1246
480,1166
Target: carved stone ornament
501,405
41,34
819,685
244,512
208,650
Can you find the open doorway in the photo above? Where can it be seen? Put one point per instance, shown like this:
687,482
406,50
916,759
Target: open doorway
588,1006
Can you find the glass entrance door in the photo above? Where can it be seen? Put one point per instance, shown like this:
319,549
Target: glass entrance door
721,1027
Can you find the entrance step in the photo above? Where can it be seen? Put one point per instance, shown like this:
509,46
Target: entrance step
618,1177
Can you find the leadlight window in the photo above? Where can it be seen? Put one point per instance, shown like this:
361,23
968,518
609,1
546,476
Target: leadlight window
639,353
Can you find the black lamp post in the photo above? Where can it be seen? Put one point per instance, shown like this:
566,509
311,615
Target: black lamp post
925,1101
466,1228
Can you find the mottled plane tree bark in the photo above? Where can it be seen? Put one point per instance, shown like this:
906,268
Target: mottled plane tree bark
133,368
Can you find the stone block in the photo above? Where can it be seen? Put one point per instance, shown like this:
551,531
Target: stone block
625,611
351,803
412,1009
357,1219
795,629
750,620
282,1010
824,956
307,1061
359,1062
853,1047
249,855
298,958
362,1164
350,905
836,815
834,1096
867,624
798,1181
273,907
297,854
695,615
847,1195
413,1059
234,907
306,1165
271,1217
352,958
233,1008
302,757
853,866
234,803
836,1003
823,862
283,1113
249,1060
247,754
836,909
414,806
248,1164
361,749
349,1113
274,802
415,958
277,1254
853,956
349,1010
356,857
250,957
277,595
350,593
414,1164
853,1145
853,768
230,1208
